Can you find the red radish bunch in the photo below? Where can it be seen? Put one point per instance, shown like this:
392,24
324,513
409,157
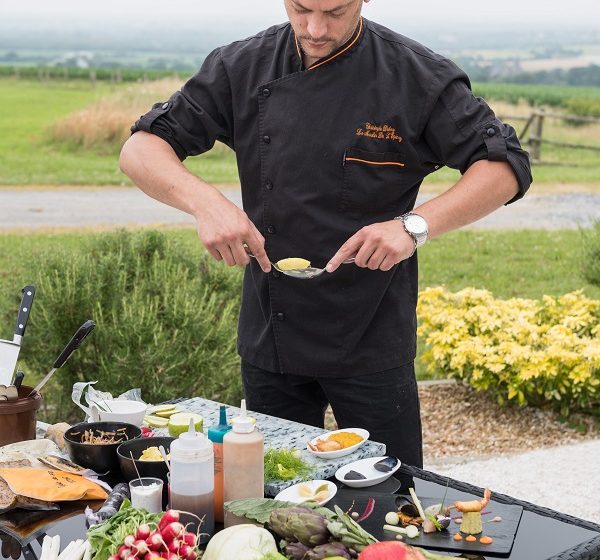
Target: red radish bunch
390,550
169,541
147,432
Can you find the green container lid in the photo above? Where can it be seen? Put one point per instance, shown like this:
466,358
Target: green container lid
217,433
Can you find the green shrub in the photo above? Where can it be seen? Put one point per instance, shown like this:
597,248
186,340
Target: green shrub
590,261
166,320
583,107
527,351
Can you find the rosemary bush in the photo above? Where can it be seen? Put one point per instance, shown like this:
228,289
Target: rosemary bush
166,320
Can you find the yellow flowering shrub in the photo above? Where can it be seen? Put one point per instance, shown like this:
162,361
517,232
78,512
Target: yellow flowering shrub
526,351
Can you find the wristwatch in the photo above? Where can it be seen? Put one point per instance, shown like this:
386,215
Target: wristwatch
415,226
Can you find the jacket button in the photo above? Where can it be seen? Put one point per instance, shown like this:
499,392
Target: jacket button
280,316
266,139
490,131
266,92
271,229
269,186
165,105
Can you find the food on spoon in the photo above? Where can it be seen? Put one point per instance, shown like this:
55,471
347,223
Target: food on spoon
486,540
457,537
293,263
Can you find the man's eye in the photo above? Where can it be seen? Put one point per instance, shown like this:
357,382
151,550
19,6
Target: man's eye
336,14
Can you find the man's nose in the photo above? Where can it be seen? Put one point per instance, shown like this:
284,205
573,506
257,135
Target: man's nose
317,26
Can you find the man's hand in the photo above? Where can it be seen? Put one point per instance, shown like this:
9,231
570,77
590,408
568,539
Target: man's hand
224,229
378,247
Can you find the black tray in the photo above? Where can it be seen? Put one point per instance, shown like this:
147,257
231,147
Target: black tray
503,532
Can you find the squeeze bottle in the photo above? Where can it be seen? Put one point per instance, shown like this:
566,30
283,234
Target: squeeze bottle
192,477
243,463
216,434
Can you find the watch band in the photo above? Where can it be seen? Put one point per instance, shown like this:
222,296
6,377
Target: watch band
418,237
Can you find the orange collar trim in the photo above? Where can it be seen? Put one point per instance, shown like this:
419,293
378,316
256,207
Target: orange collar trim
348,46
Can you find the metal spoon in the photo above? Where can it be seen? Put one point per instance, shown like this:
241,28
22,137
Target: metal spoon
162,451
303,273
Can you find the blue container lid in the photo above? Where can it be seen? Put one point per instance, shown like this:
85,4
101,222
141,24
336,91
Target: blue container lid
217,433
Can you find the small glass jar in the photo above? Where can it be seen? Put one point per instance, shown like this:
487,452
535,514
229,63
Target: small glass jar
146,493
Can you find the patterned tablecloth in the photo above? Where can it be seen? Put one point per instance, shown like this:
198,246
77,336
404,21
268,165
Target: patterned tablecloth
279,433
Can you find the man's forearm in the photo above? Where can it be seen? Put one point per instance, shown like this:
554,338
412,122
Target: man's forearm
155,168
484,187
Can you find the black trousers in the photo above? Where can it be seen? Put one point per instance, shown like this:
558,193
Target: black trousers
385,403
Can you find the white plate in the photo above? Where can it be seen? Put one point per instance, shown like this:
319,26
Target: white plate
292,494
340,452
365,467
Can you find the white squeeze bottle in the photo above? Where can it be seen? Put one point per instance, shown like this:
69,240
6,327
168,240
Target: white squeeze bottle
243,463
192,477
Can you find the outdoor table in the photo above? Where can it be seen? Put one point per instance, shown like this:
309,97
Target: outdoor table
543,534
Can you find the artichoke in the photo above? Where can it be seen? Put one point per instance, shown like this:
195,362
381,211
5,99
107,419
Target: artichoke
327,551
300,524
296,550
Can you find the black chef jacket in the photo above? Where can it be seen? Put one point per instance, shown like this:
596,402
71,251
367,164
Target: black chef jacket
322,152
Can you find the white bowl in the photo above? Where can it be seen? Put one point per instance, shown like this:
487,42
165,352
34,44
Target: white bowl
340,452
365,467
291,494
122,410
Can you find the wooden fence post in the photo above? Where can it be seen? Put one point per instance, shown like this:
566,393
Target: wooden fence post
535,136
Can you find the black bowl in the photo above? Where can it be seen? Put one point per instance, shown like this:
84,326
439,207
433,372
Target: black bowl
156,469
99,457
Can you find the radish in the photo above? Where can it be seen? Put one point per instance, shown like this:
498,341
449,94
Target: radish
140,547
143,532
189,538
388,550
129,540
155,542
187,552
152,556
124,552
170,516
114,557
172,530
174,545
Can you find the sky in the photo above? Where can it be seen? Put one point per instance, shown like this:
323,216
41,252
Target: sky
267,12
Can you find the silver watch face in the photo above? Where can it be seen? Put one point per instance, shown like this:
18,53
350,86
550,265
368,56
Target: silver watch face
415,224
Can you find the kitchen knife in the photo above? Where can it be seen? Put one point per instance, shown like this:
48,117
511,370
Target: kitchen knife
73,344
9,350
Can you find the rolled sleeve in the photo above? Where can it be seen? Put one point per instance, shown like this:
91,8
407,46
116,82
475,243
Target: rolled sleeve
193,119
462,129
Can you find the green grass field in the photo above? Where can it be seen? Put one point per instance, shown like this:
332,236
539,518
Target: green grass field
526,264
29,108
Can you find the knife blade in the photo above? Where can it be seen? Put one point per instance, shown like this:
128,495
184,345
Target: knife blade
9,350
68,350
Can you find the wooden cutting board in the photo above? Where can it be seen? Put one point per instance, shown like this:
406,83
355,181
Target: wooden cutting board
503,533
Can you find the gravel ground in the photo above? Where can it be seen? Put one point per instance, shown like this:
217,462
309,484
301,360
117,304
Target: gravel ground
120,206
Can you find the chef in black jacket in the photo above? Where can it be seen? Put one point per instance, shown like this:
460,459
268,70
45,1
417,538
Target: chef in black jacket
335,121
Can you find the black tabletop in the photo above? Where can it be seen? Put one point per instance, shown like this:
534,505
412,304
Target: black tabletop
543,534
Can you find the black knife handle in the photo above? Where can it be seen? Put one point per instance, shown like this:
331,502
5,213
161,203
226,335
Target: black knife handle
25,309
74,343
18,379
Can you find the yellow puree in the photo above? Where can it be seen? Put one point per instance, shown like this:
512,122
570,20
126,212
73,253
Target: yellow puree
345,439
293,263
